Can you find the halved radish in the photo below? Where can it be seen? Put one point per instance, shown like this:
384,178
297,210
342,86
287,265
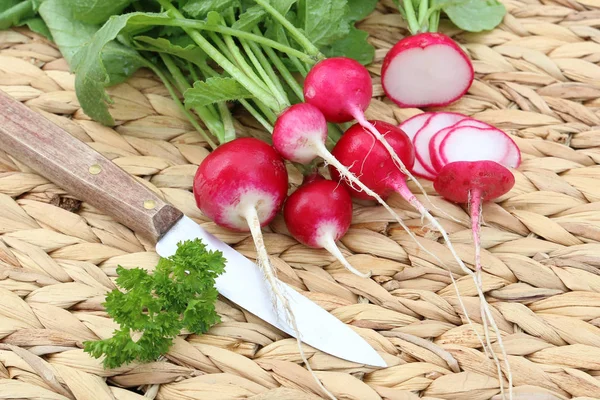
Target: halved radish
476,144
425,70
433,125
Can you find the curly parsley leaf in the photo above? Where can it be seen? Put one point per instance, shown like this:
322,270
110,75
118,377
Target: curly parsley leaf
152,309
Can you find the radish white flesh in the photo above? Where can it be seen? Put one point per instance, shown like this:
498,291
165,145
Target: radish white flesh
424,135
424,70
411,126
476,144
437,139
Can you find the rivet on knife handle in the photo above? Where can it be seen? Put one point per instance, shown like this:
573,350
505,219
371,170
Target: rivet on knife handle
83,172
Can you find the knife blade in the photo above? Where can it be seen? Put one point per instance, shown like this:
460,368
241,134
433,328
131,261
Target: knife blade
71,164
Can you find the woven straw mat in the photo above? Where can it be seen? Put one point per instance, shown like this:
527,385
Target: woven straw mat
538,78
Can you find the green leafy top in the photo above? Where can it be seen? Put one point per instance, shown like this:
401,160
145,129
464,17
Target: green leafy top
207,52
152,309
468,15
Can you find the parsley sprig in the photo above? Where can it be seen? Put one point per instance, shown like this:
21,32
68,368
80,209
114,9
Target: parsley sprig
152,309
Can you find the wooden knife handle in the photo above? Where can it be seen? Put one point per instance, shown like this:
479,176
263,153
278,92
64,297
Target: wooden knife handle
80,170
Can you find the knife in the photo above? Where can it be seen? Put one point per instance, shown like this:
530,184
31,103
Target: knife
85,173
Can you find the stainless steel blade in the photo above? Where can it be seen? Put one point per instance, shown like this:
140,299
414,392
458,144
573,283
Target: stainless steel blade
243,283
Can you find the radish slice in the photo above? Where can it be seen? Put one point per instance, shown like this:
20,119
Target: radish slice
411,126
432,126
476,144
436,141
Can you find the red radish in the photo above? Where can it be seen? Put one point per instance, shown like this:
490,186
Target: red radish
299,135
364,157
426,70
318,214
242,185
475,144
342,89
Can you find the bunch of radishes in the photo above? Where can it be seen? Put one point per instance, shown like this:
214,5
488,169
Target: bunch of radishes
243,184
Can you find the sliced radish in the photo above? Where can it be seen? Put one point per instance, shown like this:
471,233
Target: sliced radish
433,125
412,125
436,141
476,144
424,70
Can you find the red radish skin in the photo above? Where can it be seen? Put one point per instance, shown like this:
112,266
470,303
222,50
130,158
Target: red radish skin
426,70
368,159
461,180
318,214
342,89
300,132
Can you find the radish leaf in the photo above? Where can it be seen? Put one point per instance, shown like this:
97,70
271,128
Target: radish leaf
250,18
215,90
14,13
200,8
96,12
103,61
473,15
359,9
191,52
324,20
354,45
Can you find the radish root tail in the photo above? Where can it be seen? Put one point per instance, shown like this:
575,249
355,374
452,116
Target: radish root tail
404,192
353,180
329,245
271,276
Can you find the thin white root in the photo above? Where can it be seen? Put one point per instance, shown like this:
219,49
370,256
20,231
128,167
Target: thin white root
329,245
349,176
403,190
271,275
476,208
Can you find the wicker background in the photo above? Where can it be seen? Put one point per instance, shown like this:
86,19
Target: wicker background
538,77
